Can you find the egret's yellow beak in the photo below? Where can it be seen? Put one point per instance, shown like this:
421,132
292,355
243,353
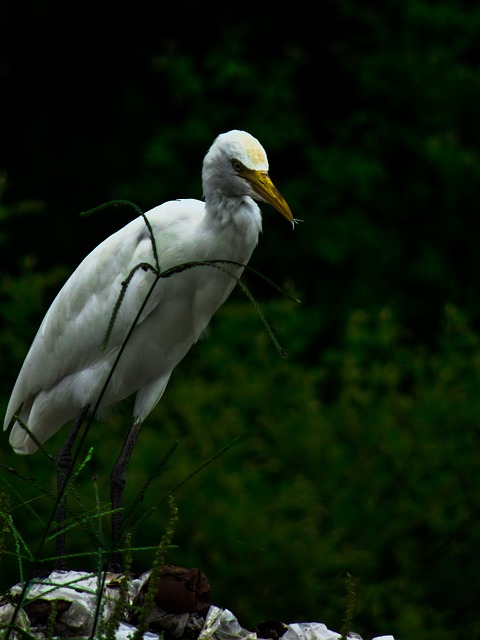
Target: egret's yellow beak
264,187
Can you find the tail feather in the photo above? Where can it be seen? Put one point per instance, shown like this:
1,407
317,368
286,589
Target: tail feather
43,417
20,440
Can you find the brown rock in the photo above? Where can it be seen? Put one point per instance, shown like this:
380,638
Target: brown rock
182,590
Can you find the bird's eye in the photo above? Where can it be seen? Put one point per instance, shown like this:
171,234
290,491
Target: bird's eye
237,165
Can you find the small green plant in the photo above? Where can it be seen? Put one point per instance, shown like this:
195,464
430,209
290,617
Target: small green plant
349,606
159,560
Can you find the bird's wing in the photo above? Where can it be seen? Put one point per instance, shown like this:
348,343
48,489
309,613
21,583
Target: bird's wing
74,329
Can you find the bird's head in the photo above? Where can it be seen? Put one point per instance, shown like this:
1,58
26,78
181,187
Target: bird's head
237,164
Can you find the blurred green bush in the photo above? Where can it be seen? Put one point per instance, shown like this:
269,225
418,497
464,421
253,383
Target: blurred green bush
360,458
359,452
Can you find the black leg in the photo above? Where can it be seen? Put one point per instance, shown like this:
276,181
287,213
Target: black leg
117,484
63,462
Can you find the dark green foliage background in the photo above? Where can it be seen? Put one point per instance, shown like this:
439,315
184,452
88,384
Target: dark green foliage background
358,453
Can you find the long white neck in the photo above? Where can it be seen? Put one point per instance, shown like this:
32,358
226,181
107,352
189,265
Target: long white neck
234,224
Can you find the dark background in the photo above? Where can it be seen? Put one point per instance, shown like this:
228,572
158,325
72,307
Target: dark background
359,452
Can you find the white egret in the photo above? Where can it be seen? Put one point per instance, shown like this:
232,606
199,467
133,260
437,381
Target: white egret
66,367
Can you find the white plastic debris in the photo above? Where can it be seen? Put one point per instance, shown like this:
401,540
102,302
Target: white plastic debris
177,624
309,631
6,613
126,631
80,589
221,624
